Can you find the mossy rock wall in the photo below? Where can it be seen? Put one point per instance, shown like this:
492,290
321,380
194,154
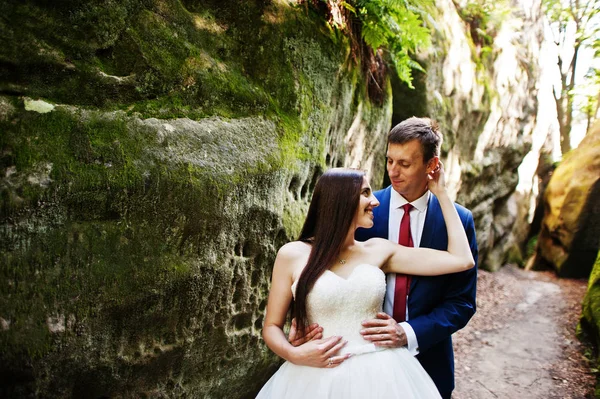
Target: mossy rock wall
589,326
155,155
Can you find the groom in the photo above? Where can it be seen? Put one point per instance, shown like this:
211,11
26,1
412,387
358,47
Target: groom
426,310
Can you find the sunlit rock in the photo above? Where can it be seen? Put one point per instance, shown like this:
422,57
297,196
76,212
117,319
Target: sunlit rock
484,95
570,233
40,106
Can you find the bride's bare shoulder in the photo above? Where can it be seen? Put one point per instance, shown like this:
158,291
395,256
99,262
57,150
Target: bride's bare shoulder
291,258
294,250
376,242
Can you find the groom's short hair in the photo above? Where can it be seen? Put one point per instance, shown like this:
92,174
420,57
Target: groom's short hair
425,130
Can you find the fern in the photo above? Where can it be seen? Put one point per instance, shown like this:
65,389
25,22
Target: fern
373,36
396,26
348,7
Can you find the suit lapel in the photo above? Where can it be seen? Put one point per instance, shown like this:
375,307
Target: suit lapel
429,228
384,213
431,220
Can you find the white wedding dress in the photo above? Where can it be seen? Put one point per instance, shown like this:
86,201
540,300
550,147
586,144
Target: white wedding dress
340,305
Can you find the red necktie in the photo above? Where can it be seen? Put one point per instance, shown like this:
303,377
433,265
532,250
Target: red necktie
403,280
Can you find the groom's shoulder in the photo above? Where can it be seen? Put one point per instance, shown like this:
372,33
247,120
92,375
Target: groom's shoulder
462,210
380,194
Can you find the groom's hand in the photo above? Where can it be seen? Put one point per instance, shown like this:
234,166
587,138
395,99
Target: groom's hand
384,331
314,331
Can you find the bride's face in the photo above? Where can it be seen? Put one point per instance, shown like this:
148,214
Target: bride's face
364,212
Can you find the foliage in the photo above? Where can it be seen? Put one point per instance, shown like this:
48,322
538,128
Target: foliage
483,18
392,27
589,93
398,27
477,15
531,246
575,25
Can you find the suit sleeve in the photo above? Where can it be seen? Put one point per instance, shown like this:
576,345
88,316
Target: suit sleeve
459,303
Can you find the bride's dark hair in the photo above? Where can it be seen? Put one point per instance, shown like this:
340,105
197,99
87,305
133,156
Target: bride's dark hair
329,219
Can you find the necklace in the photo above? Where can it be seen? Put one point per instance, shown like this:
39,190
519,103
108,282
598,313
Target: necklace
342,261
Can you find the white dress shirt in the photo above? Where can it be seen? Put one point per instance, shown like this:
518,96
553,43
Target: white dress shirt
417,221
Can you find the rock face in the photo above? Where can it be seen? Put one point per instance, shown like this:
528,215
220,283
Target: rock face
570,233
484,96
155,155
589,325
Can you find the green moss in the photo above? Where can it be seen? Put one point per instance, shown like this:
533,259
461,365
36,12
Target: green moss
100,245
136,252
293,220
515,256
151,50
589,325
170,59
83,154
531,246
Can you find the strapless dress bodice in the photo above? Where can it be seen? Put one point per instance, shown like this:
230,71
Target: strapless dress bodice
340,305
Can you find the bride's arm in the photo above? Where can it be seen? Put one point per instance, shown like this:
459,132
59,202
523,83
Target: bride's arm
431,262
315,353
280,298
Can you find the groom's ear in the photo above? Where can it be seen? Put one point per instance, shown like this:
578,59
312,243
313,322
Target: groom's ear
433,164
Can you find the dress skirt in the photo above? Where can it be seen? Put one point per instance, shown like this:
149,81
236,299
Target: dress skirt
389,374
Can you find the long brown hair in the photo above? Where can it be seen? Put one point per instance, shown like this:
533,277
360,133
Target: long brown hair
327,223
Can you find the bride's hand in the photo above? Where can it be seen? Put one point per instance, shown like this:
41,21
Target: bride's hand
436,179
314,331
320,353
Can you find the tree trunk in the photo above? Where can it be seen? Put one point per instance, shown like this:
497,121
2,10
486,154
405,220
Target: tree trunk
564,121
564,104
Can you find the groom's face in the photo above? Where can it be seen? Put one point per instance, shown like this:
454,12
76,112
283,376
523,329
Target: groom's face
407,169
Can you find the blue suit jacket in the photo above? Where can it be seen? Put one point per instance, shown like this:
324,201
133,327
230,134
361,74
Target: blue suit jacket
439,305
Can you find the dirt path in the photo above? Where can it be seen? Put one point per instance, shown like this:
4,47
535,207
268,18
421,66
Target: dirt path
521,343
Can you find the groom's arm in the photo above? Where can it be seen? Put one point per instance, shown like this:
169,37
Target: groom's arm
458,306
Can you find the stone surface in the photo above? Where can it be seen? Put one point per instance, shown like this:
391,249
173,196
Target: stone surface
570,233
589,325
140,217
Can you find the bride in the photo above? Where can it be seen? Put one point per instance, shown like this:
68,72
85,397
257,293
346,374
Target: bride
338,282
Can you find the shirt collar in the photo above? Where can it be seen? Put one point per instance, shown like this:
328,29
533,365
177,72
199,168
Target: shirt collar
397,200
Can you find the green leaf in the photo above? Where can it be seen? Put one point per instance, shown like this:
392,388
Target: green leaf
348,7
396,26
373,36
